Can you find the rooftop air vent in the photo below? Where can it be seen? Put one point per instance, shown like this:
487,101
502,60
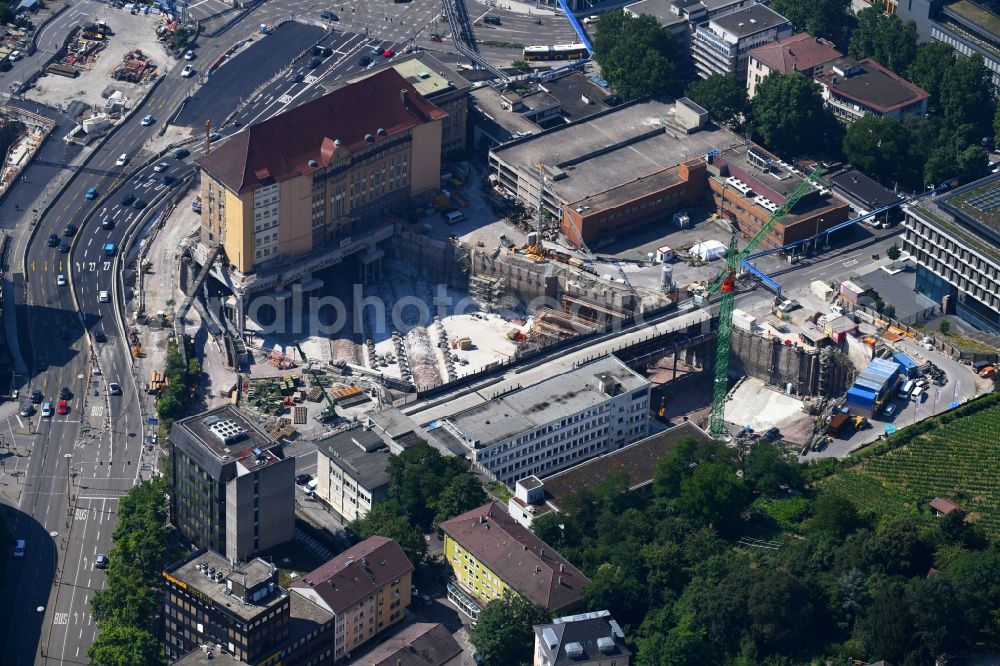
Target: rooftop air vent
381,132
369,138
313,164
606,644
228,431
574,650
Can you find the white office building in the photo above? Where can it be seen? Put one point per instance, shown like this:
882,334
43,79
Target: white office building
723,45
569,418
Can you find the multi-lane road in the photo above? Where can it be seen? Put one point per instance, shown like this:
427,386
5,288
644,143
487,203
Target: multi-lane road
74,467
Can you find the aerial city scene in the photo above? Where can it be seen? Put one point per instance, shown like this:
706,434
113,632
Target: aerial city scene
500,332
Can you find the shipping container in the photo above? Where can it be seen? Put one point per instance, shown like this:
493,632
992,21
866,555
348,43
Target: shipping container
860,397
906,364
837,424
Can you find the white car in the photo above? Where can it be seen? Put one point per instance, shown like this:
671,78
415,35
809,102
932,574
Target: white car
788,306
161,167
147,120
61,280
15,56
103,297
187,71
189,55
122,160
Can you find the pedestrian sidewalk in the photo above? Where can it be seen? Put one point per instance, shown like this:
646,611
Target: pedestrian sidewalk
520,7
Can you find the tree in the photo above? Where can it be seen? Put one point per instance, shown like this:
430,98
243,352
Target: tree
714,496
886,39
788,114
835,516
896,549
884,630
417,477
521,66
780,608
944,327
464,493
966,96
119,645
388,519
635,55
893,252
503,634
874,144
623,595
724,97
830,19
769,470
930,68
853,594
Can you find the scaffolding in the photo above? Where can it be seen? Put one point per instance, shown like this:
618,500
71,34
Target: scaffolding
487,292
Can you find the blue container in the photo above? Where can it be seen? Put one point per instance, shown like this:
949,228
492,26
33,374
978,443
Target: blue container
906,364
860,397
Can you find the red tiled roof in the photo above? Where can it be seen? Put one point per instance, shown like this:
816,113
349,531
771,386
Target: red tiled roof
798,52
356,573
518,557
943,505
420,644
281,147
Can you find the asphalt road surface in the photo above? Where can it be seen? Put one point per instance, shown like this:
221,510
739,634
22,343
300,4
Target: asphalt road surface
50,39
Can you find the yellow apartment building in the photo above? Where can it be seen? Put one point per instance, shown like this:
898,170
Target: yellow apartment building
491,554
318,174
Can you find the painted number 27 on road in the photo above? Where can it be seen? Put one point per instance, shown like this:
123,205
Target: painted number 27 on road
92,266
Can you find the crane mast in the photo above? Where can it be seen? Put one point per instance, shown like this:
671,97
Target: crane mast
726,284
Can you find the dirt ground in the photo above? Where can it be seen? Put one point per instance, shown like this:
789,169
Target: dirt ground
130,32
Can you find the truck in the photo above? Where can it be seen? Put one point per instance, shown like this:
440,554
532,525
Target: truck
837,424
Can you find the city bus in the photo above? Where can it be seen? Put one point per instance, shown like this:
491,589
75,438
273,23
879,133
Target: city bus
556,52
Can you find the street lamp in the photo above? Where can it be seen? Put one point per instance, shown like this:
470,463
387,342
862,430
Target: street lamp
68,457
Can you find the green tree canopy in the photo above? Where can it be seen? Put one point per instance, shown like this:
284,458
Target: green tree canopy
835,516
503,634
724,97
789,117
714,496
636,55
874,144
120,645
966,95
770,470
930,68
886,39
831,19
417,477
462,494
389,520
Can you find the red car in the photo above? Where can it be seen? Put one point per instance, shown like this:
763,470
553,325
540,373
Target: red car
63,407
388,53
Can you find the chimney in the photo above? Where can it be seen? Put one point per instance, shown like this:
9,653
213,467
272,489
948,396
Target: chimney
404,97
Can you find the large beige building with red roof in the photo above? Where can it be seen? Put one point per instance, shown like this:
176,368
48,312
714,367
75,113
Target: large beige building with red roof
798,53
492,554
367,588
322,173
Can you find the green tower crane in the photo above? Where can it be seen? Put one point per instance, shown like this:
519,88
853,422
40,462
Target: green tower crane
726,283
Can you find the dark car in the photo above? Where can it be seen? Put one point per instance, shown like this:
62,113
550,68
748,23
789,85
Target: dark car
365,61
70,230
36,396
328,15
128,199
100,337
101,562
114,388
53,240
168,180
65,393
181,153
772,435
64,247
107,223
303,479
314,63
491,20
138,204
297,77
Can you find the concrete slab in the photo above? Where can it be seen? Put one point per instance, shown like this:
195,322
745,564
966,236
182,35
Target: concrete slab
760,407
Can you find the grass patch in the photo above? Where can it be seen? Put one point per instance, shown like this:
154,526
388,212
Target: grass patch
965,344
499,490
500,45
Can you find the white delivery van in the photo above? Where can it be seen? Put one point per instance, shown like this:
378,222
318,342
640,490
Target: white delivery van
906,389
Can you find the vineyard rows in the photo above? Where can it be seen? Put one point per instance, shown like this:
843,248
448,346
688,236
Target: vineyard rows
959,461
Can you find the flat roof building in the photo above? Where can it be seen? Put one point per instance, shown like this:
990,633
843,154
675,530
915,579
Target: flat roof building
954,238
586,639
855,88
797,53
622,168
352,472
680,17
210,605
586,412
748,184
723,45
232,489
968,27
366,588
866,192
553,100
490,553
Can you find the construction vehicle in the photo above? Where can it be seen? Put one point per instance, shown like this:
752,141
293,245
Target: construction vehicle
330,412
726,284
